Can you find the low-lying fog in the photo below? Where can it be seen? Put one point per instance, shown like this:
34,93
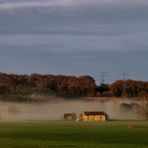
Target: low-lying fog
10,111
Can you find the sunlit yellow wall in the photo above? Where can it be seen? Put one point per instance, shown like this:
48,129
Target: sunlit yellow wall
85,118
93,118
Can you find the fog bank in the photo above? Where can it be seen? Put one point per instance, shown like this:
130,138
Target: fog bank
10,111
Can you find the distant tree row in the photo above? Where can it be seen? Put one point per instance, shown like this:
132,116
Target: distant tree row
120,88
21,87
39,87
129,88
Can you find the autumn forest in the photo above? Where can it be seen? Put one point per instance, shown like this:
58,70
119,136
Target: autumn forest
37,87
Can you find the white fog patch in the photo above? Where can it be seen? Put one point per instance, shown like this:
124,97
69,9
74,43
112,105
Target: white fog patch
10,111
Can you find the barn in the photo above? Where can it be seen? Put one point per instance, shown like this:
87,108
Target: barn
70,116
93,116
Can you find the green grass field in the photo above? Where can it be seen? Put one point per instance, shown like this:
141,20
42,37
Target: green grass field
74,134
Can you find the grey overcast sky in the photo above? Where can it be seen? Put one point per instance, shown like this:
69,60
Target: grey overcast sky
75,37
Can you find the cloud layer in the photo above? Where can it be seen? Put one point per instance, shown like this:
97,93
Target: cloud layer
75,17
74,36
18,4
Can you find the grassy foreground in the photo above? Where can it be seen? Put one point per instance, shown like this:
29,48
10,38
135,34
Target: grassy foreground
74,134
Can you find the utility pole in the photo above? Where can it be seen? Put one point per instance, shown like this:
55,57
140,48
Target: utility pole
103,75
124,78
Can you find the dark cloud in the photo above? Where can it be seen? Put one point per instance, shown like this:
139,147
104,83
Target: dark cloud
74,37
96,18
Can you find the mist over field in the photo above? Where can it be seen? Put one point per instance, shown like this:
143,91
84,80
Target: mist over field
11,111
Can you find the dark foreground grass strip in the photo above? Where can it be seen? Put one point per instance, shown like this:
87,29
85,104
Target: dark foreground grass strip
71,134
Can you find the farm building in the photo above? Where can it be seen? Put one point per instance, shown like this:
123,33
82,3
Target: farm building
70,116
93,116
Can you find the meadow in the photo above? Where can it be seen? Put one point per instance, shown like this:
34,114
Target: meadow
62,134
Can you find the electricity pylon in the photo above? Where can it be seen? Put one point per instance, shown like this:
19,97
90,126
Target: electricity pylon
124,78
103,75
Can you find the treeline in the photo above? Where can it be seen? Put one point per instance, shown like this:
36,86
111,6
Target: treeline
128,88
39,87
25,87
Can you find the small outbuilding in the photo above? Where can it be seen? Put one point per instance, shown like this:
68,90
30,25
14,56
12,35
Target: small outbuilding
93,116
70,116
